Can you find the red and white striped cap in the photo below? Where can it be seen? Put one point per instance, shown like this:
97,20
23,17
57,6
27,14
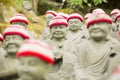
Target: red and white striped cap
98,11
51,12
75,16
98,18
38,49
117,17
58,21
18,18
87,15
114,11
16,30
63,15
1,37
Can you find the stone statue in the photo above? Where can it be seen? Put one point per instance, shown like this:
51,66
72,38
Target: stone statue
75,33
46,31
20,19
14,36
116,32
62,48
96,57
113,14
28,6
36,60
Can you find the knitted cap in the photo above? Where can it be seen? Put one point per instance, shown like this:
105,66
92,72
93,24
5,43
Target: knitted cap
98,11
87,15
114,11
58,21
1,37
51,12
38,49
18,18
117,16
63,15
16,30
74,16
98,18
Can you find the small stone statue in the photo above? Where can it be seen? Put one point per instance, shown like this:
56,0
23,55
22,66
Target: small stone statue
20,19
46,31
96,55
62,48
36,60
75,33
14,36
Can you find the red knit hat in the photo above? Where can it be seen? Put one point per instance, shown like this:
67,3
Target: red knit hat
38,49
18,18
98,11
87,15
63,15
58,21
75,15
16,30
98,18
1,37
51,12
114,11
117,16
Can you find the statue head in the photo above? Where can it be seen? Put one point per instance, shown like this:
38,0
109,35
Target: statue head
58,27
99,26
19,19
98,11
14,36
113,14
49,15
36,60
75,22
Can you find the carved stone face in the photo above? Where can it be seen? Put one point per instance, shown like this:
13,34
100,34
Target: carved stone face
32,68
58,31
74,24
12,43
48,18
99,30
20,23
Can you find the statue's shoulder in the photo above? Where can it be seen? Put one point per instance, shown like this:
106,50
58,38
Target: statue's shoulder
83,44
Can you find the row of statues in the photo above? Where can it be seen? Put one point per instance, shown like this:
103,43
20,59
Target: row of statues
71,48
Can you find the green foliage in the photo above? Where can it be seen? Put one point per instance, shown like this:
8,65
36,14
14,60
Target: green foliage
75,3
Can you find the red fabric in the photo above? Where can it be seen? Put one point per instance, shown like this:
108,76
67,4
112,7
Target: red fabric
117,70
114,13
1,39
117,17
72,17
16,33
58,23
51,13
98,21
35,54
19,20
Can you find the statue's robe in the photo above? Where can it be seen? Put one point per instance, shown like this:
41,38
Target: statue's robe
64,61
78,37
94,64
